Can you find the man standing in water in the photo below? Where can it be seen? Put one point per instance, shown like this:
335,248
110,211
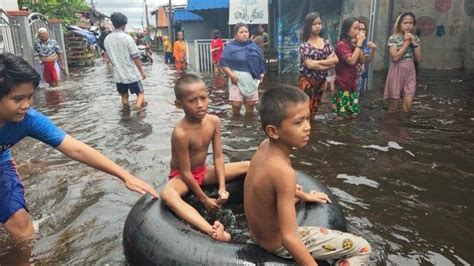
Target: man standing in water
123,54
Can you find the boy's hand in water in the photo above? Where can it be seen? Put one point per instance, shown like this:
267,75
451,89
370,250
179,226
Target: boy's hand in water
211,204
318,197
140,186
223,196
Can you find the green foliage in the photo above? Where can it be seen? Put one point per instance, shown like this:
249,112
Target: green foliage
68,10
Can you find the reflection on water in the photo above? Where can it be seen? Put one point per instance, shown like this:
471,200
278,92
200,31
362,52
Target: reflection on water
405,183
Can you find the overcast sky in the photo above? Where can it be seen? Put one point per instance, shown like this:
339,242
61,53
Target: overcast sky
133,9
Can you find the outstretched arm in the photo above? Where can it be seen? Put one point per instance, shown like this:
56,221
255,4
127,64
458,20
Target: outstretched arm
84,153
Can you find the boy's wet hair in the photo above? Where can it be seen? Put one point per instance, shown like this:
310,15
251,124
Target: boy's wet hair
14,71
183,81
275,102
118,19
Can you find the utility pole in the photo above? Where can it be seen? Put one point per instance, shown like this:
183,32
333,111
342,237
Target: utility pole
170,22
92,4
146,15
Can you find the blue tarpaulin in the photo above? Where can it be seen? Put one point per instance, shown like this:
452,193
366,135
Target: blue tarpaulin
185,15
89,35
207,4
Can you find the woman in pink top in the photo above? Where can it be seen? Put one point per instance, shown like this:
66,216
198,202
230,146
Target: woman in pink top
346,98
217,46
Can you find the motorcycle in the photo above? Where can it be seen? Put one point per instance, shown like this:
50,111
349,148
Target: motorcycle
144,55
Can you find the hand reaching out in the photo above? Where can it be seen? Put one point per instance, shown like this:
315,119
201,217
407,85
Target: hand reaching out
318,197
140,186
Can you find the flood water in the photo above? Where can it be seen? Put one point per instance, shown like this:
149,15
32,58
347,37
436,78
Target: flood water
406,185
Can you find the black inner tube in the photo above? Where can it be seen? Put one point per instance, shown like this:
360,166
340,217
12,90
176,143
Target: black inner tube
153,235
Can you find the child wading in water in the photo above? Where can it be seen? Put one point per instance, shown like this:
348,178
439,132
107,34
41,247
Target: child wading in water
346,98
316,57
18,81
270,189
404,48
189,145
179,52
168,48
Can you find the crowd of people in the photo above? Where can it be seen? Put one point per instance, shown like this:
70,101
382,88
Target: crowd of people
270,186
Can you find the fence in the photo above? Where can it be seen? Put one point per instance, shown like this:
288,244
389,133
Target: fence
199,55
9,35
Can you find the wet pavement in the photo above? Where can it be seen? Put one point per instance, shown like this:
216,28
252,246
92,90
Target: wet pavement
405,184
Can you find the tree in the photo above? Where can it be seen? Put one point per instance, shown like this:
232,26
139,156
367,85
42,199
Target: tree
68,10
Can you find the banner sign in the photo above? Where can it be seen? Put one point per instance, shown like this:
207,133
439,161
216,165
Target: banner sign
248,11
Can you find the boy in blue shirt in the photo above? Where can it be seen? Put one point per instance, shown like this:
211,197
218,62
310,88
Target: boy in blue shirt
18,81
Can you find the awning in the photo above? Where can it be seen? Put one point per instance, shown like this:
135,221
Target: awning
180,15
208,4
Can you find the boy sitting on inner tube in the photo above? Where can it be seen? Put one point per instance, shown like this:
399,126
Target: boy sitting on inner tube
18,81
190,141
270,189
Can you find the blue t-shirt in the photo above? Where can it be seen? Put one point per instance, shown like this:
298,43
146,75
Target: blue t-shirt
34,125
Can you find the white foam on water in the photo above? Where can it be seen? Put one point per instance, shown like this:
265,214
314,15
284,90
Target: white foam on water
376,147
411,153
325,144
332,142
37,223
394,145
390,145
358,180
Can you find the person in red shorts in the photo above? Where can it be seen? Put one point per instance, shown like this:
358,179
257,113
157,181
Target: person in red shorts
190,141
49,52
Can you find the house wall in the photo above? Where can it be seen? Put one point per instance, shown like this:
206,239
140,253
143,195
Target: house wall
446,29
196,30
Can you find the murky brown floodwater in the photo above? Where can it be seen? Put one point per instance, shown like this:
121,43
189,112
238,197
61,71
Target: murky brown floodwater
405,185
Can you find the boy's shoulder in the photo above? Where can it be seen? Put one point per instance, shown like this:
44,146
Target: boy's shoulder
213,119
181,128
276,166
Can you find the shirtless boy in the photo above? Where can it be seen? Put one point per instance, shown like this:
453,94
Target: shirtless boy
190,141
270,189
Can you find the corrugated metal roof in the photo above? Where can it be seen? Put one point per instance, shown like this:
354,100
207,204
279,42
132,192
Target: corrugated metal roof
207,4
185,15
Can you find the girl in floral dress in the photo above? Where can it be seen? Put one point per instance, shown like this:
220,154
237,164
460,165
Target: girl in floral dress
316,57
